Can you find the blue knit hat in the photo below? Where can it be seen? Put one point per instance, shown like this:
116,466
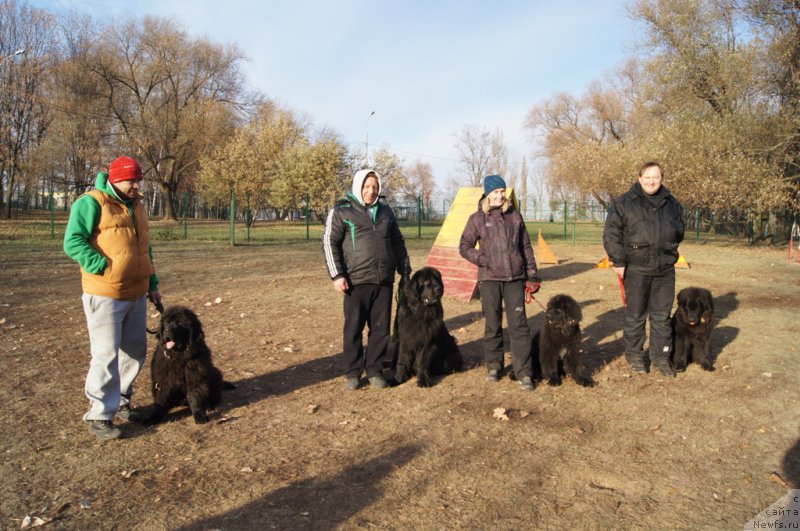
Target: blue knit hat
492,183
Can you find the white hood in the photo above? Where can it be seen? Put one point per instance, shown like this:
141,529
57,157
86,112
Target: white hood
358,183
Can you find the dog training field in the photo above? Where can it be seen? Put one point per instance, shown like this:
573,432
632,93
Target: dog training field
291,448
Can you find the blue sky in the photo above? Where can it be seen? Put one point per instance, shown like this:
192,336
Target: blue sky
426,68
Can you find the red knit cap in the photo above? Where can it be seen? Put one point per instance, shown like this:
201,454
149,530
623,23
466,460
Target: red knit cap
124,169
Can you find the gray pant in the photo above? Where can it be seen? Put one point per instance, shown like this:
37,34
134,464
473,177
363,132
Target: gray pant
118,337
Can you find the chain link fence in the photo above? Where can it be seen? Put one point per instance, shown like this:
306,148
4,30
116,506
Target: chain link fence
44,215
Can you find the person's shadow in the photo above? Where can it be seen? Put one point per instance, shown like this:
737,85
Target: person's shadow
316,503
791,466
564,269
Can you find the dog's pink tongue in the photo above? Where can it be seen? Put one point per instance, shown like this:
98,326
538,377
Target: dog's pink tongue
169,345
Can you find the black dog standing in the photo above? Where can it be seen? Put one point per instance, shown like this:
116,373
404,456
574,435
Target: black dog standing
691,329
182,370
424,345
560,339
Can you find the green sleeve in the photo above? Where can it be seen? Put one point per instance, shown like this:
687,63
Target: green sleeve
153,278
83,218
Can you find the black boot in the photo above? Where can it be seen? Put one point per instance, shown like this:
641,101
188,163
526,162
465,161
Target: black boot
637,362
661,361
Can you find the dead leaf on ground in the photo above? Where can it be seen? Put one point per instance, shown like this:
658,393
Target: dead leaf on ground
500,413
246,469
312,408
32,521
778,479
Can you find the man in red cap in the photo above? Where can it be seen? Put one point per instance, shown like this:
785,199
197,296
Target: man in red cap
107,235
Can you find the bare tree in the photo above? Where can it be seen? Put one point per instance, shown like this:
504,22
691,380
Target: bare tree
474,145
499,164
171,96
24,113
419,182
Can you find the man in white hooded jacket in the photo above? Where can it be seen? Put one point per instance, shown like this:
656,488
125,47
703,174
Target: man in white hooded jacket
363,248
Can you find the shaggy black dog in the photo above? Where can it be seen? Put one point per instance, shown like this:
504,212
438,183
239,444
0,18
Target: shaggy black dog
691,329
424,345
560,342
182,369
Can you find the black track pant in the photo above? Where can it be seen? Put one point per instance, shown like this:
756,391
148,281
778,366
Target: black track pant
648,295
493,295
368,304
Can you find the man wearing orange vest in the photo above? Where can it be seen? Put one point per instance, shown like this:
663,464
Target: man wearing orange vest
107,235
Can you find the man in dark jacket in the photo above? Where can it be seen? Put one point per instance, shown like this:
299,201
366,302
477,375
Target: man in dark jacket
505,264
363,248
641,236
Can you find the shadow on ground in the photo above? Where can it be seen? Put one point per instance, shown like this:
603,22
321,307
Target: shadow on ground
317,503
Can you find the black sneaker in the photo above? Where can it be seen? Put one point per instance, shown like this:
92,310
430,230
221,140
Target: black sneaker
493,375
104,429
526,383
126,413
637,365
665,369
378,382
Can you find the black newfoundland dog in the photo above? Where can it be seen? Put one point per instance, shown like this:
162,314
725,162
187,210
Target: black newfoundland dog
424,346
560,342
182,369
691,329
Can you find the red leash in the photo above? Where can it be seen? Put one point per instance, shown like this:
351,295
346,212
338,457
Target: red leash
529,297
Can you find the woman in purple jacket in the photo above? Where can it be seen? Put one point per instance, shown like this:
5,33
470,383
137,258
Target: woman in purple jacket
505,265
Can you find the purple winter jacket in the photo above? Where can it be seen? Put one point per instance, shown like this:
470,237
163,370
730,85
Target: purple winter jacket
505,252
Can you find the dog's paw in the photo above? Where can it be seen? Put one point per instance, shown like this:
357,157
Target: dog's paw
554,382
200,417
424,381
707,367
586,382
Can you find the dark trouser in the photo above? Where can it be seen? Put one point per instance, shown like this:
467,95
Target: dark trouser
368,304
651,295
493,294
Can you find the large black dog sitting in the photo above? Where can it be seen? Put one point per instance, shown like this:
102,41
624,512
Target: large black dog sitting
560,342
424,345
691,329
182,369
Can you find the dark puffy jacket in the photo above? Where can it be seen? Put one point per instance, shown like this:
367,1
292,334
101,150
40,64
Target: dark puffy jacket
505,252
641,235
363,250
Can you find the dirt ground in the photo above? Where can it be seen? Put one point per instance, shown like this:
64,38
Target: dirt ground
291,448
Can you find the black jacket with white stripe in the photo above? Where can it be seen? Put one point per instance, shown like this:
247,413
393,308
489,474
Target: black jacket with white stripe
363,248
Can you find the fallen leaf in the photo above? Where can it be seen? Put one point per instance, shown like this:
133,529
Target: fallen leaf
523,414
500,413
777,479
218,300
3,321
207,304
766,374
246,469
85,503
655,427
312,408
127,474
32,521
578,430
